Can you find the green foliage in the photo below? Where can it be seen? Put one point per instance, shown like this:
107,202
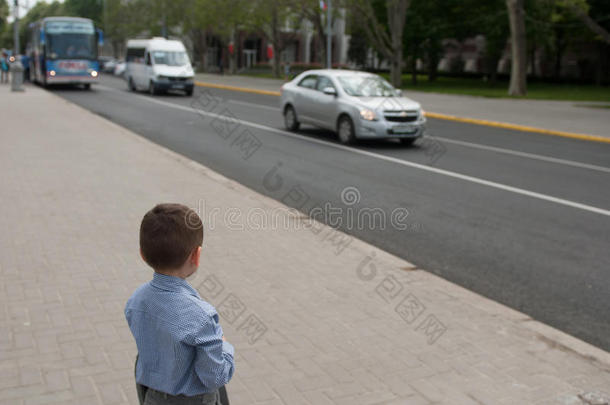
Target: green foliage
85,8
358,47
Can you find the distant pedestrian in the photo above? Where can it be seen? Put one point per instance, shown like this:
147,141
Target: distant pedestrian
183,357
4,68
286,71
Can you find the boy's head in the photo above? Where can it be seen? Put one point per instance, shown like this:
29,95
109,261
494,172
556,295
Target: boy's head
170,239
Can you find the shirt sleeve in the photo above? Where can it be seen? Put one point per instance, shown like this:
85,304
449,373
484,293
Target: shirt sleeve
214,361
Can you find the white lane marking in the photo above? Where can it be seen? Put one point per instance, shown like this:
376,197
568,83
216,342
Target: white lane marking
534,156
526,155
407,163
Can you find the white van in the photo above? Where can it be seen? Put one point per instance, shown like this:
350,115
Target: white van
157,65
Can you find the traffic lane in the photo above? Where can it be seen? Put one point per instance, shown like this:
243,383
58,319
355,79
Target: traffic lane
564,148
547,260
554,179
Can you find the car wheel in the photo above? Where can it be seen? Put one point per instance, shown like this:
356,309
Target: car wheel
345,130
152,89
290,119
189,92
407,141
130,85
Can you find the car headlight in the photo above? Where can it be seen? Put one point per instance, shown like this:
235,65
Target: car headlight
368,115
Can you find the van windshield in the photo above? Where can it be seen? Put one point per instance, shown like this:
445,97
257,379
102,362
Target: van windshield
170,58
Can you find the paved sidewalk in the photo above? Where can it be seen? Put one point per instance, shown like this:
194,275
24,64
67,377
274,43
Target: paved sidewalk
311,323
565,116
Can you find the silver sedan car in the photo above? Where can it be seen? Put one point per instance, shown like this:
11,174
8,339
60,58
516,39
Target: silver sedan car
357,105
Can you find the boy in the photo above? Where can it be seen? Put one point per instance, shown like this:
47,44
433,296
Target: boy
183,357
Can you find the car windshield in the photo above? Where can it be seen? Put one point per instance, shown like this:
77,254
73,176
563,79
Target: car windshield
170,58
366,86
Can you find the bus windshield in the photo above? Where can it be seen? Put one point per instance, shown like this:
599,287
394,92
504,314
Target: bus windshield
71,40
170,58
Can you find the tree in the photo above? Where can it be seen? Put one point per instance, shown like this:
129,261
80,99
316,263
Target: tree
3,13
120,22
4,10
268,19
85,8
518,43
580,8
388,39
310,10
494,26
38,12
358,47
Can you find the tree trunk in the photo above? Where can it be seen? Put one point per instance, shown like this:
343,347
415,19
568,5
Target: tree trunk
233,56
115,48
432,63
591,23
414,67
277,63
397,10
492,69
396,70
275,40
203,57
560,46
518,72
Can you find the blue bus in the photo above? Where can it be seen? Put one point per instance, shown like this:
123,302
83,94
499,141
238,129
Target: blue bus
63,50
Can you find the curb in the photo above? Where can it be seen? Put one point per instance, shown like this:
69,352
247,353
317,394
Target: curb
446,117
516,127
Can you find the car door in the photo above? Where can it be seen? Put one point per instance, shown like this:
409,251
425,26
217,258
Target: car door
305,98
325,105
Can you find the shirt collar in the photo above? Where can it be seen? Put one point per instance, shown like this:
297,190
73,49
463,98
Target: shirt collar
173,284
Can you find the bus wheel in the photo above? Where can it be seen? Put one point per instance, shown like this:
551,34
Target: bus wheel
87,86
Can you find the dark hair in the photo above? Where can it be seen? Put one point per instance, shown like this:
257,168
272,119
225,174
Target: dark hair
168,235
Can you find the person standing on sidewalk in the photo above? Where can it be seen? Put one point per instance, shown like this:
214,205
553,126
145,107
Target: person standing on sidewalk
183,357
4,68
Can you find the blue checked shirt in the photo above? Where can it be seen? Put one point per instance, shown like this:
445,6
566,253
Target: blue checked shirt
179,340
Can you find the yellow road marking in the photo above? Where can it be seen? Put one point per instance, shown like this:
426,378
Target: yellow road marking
496,124
517,127
235,88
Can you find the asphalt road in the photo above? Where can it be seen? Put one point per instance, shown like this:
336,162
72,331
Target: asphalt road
521,218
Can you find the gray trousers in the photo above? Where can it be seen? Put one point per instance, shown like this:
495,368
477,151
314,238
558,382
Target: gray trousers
154,397
148,396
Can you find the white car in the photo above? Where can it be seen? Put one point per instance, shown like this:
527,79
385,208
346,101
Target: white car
157,65
357,105
109,66
119,68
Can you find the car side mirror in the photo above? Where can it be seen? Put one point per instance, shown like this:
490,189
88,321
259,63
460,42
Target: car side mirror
399,92
330,91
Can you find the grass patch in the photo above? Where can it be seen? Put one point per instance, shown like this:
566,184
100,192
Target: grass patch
535,90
